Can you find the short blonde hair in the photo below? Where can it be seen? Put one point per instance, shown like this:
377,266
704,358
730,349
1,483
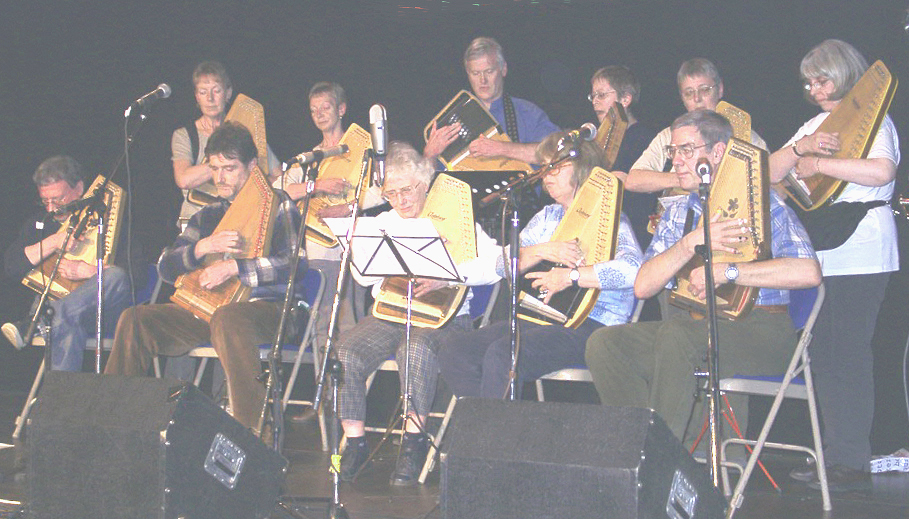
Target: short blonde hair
484,46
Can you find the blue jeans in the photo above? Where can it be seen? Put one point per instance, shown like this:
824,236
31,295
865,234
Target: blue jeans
74,317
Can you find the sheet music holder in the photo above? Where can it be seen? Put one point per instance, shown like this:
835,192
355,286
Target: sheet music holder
410,247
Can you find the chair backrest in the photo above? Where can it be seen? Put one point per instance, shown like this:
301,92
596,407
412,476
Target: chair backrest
149,293
804,304
313,285
636,310
482,302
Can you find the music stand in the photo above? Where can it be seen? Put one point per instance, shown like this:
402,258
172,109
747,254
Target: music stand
411,248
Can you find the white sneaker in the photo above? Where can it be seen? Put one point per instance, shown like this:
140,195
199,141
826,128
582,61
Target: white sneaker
13,334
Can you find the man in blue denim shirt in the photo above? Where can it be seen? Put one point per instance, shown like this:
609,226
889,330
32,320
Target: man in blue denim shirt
652,364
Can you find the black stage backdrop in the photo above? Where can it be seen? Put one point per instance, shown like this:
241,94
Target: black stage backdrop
69,69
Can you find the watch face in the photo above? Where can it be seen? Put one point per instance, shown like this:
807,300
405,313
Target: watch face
574,275
732,272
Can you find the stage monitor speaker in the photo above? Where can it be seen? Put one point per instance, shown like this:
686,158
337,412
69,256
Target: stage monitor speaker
112,446
555,460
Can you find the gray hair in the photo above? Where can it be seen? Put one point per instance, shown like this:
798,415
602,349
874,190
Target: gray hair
333,89
589,155
698,67
712,126
57,168
404,161
837,61
212,68
484,46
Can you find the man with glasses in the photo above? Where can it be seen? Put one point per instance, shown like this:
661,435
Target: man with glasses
700,87
652,364
59,182
364,348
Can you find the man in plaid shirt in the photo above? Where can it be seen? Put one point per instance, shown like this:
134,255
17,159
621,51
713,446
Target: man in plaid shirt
652,364
236,329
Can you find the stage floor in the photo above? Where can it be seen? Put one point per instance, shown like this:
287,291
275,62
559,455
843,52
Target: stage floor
371,496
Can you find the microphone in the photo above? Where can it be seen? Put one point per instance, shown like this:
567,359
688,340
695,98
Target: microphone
76,205
587,132
315,156
162,92
703,170
378,130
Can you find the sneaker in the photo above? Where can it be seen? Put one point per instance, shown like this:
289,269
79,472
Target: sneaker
845,479
354,458
13,333
805,474
414,448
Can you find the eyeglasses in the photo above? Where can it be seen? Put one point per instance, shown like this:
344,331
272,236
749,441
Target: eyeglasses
56,201
599,96
687,150
699,92
404,192
811,84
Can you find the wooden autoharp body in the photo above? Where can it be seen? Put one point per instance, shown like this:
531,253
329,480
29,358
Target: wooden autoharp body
475,121
248,112
347,167
450,208
593,220
740,190
251,214
856,118
86,246
611,132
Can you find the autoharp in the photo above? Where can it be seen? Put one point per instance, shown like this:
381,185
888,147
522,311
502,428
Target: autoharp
740,190
611,132
347,167
450,208
251,214
593,220
475,121
206,193
857,118
86,244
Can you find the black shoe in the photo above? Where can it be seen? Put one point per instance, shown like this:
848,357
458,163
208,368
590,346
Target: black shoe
13,333
805,474
354,458
414,448
845,479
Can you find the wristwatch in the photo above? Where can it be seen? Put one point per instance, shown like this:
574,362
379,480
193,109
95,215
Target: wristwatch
732,272
574,275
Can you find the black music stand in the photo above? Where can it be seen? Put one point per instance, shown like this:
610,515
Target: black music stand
410,248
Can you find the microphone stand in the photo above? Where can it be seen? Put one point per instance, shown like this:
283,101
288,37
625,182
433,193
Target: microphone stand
713,366
510,196
273,384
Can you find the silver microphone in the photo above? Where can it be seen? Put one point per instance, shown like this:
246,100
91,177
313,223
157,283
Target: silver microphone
378,130
314,156
587,132
162,92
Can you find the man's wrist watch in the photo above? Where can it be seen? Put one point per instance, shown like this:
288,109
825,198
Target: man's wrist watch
574,275
732,273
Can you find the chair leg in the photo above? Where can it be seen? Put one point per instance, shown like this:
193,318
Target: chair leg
437,441
540,396
816,433
29,402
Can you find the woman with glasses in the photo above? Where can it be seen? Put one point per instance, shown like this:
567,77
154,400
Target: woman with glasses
855,274
478,363
364,348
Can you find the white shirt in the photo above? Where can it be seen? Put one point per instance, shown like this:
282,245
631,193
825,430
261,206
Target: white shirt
872,248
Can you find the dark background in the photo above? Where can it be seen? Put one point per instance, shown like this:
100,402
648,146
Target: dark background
69,69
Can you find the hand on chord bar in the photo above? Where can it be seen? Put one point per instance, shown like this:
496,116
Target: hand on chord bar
483,146
550,282
228,242
333,186
561,252
440,138
819,143
423,286
217,273
724,235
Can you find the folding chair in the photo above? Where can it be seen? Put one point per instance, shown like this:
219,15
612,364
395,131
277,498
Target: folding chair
797,383
580,373
148,294
292,353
